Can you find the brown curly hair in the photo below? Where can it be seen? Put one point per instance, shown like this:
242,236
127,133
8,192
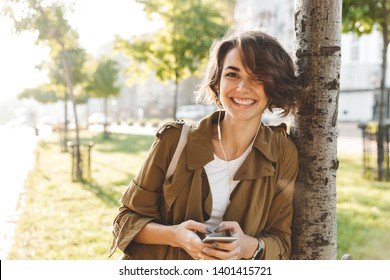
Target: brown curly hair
263,57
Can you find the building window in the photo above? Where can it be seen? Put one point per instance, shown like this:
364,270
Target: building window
355,49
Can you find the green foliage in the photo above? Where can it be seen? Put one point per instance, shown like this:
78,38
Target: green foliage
43,94
45,18
76,58
179,48
104,82
48,20
362,16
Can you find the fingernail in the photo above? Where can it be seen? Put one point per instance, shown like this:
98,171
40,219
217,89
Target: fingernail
216,229
214,244
206,250
209,230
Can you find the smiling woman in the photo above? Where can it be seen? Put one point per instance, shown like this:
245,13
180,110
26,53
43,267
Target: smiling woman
235,174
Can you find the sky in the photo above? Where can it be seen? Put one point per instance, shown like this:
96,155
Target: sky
97,22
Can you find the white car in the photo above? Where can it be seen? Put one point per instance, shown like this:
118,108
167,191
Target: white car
98,118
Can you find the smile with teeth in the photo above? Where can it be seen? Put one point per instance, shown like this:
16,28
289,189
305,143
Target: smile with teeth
244,101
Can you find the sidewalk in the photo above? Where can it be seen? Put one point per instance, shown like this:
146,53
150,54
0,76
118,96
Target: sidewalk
17,147
350,139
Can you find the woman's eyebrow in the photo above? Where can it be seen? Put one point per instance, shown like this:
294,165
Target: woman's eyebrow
232,68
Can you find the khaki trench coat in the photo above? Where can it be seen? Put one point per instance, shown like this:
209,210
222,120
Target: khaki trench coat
261,203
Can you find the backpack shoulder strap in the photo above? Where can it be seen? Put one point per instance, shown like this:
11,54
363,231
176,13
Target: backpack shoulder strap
180,146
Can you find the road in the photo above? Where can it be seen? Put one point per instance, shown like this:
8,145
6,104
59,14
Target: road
350,139
17,158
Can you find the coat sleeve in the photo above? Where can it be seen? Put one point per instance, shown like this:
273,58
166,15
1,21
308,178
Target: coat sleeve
141,200
277,236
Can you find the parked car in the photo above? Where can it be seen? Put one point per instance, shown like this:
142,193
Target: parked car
98,118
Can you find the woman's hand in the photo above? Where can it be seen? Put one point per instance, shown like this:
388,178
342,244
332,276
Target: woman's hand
186,238
242,248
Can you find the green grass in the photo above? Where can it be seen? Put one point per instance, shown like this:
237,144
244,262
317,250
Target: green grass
62,219
363,212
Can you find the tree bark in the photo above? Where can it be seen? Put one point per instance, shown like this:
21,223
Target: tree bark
69,83
381,105
105,124
64,140
318,59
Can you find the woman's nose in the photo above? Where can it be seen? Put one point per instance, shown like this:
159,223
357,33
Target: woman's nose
242,85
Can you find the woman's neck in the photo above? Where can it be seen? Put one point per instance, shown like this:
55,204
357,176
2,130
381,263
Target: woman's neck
236,136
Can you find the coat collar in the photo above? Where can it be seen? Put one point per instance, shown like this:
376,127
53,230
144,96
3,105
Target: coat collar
200,149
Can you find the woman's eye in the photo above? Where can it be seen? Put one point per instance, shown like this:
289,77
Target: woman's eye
231,75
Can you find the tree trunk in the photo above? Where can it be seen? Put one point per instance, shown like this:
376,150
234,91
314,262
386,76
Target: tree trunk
381,105
176,94
105,124
64,138
318,59
69,83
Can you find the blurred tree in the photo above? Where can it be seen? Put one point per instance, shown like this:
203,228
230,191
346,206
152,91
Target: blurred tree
362,17
226,8
318,60
104,83
43,94
47,19
77,57
57,89
178,50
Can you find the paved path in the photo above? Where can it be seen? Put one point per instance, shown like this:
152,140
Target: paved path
17,157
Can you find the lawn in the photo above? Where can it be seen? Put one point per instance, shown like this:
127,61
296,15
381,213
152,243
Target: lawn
363,212
62,219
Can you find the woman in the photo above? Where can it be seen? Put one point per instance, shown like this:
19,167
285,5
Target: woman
234,173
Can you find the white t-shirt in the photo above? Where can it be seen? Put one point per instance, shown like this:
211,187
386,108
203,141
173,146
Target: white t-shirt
220,175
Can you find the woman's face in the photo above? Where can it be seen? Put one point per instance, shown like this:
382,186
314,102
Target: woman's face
241,94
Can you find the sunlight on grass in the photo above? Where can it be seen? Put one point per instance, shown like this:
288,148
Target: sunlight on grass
363,212
67,220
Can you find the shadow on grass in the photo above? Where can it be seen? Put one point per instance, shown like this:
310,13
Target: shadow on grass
109,195
111,198
122,143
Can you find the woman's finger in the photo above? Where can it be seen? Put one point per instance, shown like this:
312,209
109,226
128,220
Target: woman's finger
233,227
192,225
